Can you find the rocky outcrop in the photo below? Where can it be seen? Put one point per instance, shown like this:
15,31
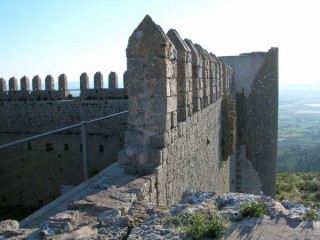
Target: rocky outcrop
114,212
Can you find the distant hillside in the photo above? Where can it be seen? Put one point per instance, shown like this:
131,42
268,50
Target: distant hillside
297,158
299,187
299,128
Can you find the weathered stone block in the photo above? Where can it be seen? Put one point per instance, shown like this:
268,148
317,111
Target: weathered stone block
154,156
131,170
150,68
172,104
13,84
84,81
137,121
98,80
182,114
160,140
173,87
36,83
24,83
62,82
113,80
123,158
148,39
3,85
174,119
157,122
133,136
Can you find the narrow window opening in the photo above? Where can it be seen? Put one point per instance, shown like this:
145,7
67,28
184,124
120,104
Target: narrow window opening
66,147
101,148
80,147
49,147
29,146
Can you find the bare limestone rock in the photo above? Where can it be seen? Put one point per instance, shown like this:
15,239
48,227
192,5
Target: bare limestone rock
9,226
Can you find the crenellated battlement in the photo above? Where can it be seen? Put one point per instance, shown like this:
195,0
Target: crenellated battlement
175,90
35,92
196,121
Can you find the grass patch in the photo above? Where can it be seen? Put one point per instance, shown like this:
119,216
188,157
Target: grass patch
200,224
299,187
253,209
312,215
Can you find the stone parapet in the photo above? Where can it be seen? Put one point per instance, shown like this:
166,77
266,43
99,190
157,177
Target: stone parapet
62,93
174,123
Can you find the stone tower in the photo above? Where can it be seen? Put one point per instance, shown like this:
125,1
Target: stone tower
256,92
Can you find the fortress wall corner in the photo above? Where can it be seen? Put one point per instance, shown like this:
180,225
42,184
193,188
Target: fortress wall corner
174,128
256,90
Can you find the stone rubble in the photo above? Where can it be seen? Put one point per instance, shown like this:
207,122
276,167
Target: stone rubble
136,219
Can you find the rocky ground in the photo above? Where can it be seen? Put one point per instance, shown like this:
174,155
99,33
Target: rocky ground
129,218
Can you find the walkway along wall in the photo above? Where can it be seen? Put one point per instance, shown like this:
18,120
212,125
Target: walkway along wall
35,173
195,121
175,114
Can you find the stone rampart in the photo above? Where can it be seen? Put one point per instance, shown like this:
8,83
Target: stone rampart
196,121
33,117
256,91
175,113
26,93
35,173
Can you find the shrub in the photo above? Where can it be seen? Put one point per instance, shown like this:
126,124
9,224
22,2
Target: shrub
316,196
286,187
200,224
311,186
253,209
312,215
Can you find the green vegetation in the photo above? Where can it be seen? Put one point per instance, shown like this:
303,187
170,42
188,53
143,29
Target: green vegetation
200,224
298,155
299,129
311,215
253,209
299,187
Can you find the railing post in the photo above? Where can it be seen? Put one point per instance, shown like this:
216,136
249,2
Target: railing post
84,149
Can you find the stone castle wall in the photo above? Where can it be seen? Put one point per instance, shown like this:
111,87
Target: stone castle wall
256,90
35,173
36,93
33,117
175,91
195,121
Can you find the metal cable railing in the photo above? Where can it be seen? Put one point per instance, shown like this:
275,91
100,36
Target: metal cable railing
82,125
29,165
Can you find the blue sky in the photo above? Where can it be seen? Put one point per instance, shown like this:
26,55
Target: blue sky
74,36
